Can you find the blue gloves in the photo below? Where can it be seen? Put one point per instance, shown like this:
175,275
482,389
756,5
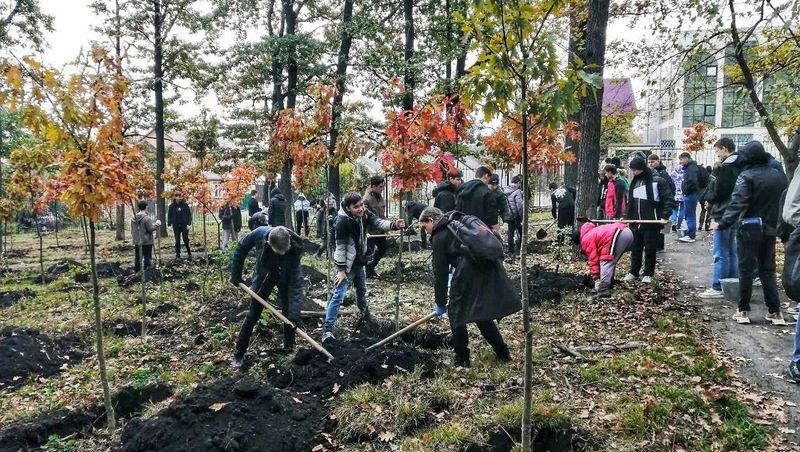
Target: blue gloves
439,310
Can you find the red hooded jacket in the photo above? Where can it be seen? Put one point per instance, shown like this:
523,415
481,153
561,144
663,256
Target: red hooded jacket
598,243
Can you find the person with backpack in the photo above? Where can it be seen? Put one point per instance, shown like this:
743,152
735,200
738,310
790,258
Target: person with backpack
480,291
278,251
351,258
516,202
695,180
604,246
445,193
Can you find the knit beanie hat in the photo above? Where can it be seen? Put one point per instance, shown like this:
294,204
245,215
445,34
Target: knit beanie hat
638,163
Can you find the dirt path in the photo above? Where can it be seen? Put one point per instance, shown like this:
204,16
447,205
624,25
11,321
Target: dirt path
762,351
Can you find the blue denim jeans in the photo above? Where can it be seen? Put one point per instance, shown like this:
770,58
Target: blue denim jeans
726,258
677,214
357,277
690,211
796,355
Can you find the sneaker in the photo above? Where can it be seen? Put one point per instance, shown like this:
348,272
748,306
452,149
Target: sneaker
776,318
629,277
742,317
327,336
647,279
237,361
794,371
793,309
711,293
687,239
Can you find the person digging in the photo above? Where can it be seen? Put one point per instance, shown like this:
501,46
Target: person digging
479,292
604,246
279,251
350,256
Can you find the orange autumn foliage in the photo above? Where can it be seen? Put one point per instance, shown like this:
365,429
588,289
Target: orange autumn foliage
545,145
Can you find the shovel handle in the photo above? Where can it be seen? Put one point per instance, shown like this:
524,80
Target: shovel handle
403,331
278,314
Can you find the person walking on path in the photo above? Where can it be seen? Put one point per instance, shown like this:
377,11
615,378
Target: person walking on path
445,193
376,203
276,212
179,216
516,202
479,293
301,209
691,187
142,228
278,251
649,198
604,246
718,198
615,193
791,269
474,198
753,210
350,257
231,218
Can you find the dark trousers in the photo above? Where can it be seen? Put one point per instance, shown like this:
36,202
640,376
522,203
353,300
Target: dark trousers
489,331
377,247
514,230
423,238
705,218
301,220
181,231
255,313
331,244
644,239
147,250
757,253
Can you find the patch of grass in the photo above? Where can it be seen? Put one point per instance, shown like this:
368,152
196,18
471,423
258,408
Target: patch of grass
143,376
358,409
509,415
739,431
449,436
57,444
590,374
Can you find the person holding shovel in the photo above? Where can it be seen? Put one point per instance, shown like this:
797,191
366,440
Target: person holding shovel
604,246
351,257
279,251
480,292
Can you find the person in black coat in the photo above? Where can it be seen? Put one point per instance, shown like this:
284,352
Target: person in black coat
253,206
754,211
654,163
445,193
276,213
179,216
413,212
476,199
477,293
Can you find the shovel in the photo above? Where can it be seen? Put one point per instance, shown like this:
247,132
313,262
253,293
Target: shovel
542,232
401,332
278,314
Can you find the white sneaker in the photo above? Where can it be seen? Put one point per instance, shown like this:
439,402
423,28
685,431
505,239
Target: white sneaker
327,336
647,279
711,293
629,277
776,318
742,317
687,239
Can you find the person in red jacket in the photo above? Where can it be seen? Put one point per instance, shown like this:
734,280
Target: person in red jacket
604,246
616,194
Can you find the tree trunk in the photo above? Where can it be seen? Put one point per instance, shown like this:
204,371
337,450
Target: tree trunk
98,325
291,99
408,55
143,272
342,61
55,224
591,107
2,223
120,222
577,30
158,88
523,279
41,247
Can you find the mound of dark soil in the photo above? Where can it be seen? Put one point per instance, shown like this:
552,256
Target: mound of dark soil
24,352
539,246
545,285
415,245
15,254
128,328
310,247
558,438
13,296
231,415
127,280
110,270
191,286
62,266
34,433
421,337
352,365
161,310
313,276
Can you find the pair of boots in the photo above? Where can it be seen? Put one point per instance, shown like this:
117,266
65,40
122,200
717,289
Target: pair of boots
503,355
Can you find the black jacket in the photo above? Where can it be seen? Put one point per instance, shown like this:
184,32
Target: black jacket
662,172
691,179
445,196
719,190
253,207
477,292
757,191
276,213
562,197
475,198
649,198
414,209
503,208
179,214
231,216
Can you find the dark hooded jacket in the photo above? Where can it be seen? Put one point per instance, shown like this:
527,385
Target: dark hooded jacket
691,180
351,237
277,208
757,191
475,198
719,190
179,214
231,217
649,198
414,209
445,196
285,269
478,291
662,172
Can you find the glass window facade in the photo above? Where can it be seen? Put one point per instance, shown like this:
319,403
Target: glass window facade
737,108
699,92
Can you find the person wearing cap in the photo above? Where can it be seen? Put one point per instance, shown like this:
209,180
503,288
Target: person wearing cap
649,199
445,193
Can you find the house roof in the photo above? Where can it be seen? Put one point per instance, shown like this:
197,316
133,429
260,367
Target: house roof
618,96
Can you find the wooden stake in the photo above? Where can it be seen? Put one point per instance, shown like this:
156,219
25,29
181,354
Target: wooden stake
403,331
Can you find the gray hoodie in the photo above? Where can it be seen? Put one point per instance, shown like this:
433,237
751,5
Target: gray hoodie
791,206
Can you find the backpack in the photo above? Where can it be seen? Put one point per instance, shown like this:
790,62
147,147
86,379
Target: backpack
703,177
477,241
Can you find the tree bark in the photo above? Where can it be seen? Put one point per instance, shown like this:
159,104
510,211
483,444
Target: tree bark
408,55
290,16
342,61
120,222
523,279
577,33
98,325
591,106
158,88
